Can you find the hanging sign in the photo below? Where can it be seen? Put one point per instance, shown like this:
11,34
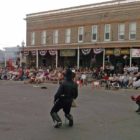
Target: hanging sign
67,53
135,52
42,52
86,51
125,51
109,52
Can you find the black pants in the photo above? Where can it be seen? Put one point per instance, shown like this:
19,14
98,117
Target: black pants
64,104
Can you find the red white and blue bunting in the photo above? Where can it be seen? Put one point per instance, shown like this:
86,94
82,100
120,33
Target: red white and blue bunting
98,50
86,51
42,52
26,53
52,52
33,52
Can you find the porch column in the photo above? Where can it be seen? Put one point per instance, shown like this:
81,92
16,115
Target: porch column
78,57
56,63
21,59
130,62
36,58
5,59
103,59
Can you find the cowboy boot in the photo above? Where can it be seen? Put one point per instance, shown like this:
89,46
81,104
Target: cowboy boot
56,120
70,118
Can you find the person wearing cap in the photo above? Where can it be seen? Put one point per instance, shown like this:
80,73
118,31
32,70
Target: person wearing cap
67,91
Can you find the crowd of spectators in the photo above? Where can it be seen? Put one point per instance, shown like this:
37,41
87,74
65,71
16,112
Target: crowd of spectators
130,78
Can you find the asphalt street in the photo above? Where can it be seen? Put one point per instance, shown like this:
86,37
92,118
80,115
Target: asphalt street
100,114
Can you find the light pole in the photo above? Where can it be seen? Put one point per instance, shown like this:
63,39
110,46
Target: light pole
22,64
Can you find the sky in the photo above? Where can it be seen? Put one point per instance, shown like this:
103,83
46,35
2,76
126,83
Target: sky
13,13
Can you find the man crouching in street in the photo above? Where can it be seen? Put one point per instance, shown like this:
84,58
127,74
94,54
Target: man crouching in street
63,99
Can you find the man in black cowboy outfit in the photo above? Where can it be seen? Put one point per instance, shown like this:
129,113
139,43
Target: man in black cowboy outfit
63,98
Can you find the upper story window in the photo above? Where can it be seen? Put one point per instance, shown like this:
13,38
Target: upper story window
32,38
80,34
132,31
67,35
107,32
121,31
43,37
94,32
55,37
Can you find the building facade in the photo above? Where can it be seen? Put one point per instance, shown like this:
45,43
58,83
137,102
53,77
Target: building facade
85,36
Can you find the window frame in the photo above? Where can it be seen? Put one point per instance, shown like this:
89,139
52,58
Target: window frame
55,36
80,34
43,37
132,31
107,32
68,35
121,33
96,33
32,38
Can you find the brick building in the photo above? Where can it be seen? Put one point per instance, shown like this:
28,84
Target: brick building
86,36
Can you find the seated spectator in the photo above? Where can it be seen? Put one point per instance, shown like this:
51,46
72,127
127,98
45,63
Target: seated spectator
104,79
136,83
125,80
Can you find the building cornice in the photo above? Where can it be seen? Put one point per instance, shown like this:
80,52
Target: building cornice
83,7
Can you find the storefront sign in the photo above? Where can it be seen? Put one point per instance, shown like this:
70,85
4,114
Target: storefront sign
109,52
135,52
67,52
125,51
117,52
